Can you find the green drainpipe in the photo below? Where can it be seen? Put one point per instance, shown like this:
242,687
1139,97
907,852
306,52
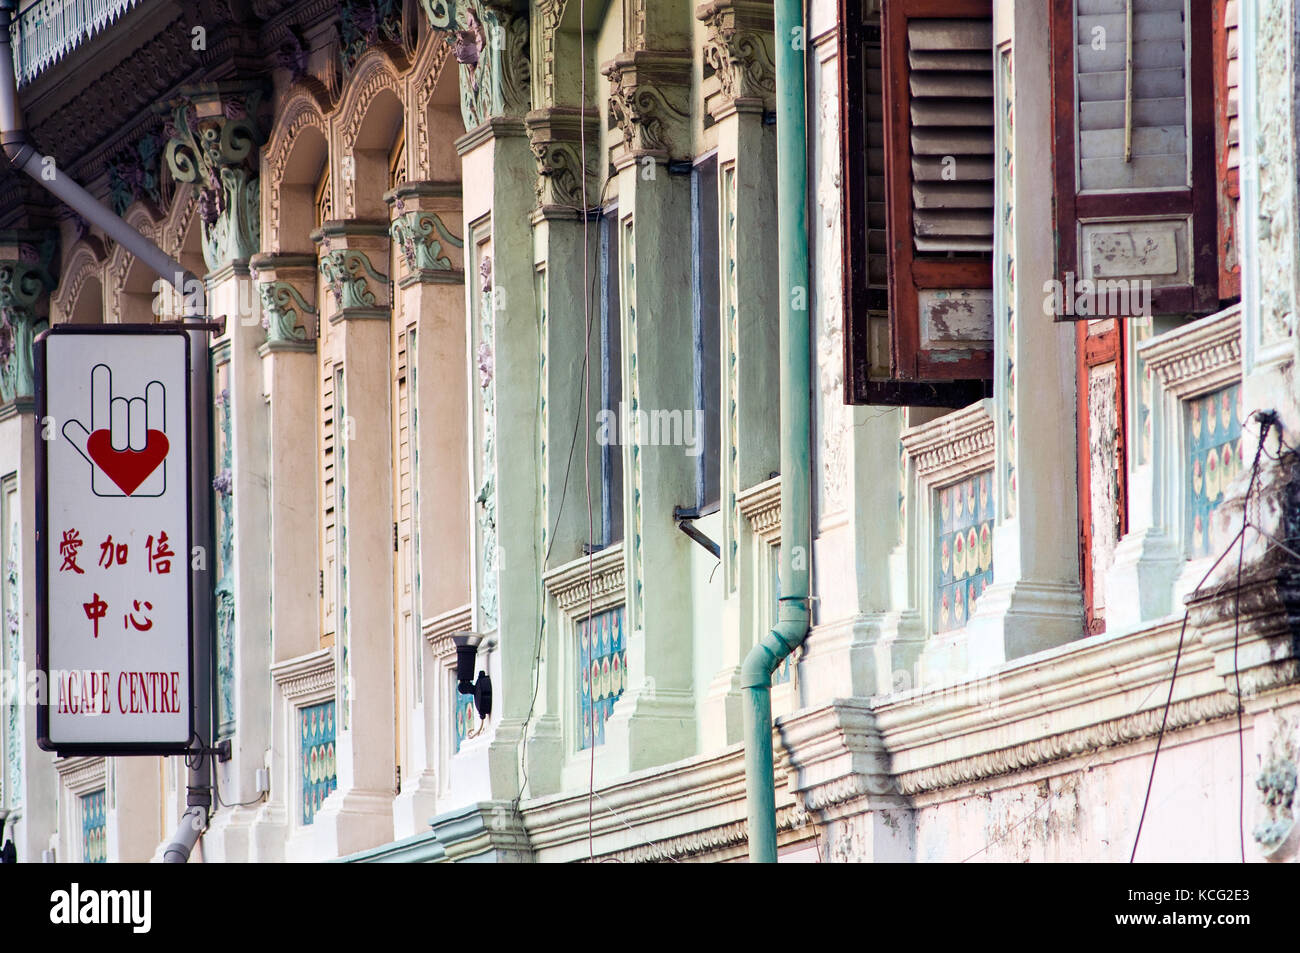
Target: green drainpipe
796,493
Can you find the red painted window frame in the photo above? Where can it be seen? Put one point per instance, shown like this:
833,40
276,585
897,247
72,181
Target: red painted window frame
1228,180
1093,350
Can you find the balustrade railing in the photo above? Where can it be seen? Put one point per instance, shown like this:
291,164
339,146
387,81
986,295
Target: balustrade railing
49,30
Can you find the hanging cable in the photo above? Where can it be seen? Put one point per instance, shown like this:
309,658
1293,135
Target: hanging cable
1267,420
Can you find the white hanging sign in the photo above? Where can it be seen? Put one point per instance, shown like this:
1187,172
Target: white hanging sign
113,548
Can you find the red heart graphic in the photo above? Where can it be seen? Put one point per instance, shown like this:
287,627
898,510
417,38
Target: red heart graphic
127,468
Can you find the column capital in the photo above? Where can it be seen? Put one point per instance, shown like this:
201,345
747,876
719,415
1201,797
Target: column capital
649,99
213,138
287,287
489,39
739,59
348,252
26,276
424,214
555,136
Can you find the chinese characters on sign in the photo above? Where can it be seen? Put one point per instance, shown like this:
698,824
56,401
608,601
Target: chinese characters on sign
114,639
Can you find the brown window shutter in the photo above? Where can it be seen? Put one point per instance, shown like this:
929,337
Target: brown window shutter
917,150
1227,135
938,92
1135,181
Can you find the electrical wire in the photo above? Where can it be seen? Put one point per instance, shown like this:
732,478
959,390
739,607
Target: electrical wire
1285,451
1267,419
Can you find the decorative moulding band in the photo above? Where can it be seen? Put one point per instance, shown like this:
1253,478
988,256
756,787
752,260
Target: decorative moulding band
498,127
305,674
82,774
1199,357
439,630
761,505
954,445
598,581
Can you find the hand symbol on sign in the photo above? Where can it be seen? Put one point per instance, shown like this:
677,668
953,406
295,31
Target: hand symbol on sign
125,444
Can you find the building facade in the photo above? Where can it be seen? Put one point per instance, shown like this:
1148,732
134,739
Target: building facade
502,318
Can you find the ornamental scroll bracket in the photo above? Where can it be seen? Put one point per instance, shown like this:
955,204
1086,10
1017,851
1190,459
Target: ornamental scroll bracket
213,137
489,39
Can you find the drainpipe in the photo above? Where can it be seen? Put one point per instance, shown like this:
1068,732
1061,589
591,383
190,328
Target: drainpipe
24,157
796,419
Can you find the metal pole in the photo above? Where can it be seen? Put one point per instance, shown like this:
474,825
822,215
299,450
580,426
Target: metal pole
198,796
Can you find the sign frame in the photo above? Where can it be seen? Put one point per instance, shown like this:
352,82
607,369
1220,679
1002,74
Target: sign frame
105,749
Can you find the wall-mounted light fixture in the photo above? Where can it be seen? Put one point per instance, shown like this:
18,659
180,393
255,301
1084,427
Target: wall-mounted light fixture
467,644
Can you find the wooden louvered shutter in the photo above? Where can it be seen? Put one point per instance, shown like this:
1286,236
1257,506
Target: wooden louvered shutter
1135,180
938,62
1227,134
917,154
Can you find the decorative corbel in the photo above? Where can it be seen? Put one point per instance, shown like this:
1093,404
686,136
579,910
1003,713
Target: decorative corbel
556,136
649,100
287,287
739,57
489,39
213,140
26,276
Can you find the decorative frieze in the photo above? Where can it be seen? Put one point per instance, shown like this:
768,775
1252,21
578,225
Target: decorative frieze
739,59
649,100
556,136
597,581
439,630
136,173
213,138
761,505
365,23
26,276
306,676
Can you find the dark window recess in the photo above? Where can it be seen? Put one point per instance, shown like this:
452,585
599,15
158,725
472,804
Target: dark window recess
917,148
706,321
610,517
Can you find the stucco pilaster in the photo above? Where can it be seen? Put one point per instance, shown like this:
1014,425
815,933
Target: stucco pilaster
354,257
504,340
426,228
1035,601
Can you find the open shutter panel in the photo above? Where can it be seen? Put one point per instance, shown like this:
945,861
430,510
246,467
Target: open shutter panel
870,376
938,59
1227,132
1135,181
